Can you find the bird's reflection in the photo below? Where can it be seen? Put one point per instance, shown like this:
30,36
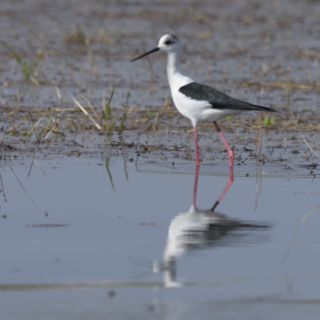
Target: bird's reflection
197,229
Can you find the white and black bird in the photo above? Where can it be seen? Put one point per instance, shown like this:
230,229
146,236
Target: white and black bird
196,101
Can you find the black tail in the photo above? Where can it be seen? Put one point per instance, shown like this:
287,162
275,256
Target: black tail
260,108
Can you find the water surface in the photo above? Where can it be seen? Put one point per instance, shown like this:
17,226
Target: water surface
96,247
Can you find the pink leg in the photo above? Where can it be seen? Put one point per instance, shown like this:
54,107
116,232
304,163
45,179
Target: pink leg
231,155
229,183
196,149
196,174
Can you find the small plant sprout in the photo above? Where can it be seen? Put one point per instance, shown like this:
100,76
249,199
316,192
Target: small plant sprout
27,69
107,113
150,113
267,121
78,37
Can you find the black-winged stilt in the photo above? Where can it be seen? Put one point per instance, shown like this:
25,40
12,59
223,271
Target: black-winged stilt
196,101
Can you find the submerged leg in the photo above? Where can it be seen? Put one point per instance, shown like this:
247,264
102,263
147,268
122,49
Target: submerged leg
224,191
230,152
196,149
195,185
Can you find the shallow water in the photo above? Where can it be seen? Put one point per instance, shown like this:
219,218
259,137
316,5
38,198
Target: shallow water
97,243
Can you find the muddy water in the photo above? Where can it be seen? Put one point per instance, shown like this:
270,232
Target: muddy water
90,240
96,225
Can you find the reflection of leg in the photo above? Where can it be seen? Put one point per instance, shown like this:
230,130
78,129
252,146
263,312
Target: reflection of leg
196,149
229,183
195,185
230,152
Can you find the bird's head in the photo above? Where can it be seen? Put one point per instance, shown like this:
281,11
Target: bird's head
168,43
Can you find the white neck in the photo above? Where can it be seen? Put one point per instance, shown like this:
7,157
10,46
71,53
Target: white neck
175,77
173,65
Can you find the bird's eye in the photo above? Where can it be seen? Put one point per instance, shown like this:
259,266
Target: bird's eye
167,42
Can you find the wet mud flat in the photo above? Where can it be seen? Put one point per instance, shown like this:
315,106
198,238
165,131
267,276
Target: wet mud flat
92,186
264,53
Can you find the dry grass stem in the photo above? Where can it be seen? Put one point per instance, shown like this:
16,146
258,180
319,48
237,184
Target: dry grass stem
35,81
33,128
90,105
58,94
48,134
303,138
86,113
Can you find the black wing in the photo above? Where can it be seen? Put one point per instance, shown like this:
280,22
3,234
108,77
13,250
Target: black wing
218,99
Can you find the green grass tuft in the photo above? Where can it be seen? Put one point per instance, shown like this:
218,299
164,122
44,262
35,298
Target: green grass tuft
267,121
27,69
78,37
150,113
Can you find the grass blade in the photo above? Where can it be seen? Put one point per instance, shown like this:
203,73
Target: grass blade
13,53
86,113
107,113
124,116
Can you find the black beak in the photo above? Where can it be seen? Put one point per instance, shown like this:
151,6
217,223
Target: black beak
154,50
